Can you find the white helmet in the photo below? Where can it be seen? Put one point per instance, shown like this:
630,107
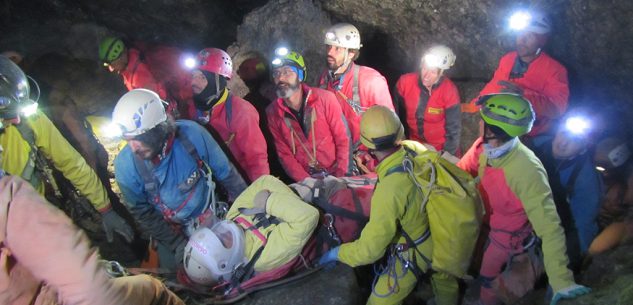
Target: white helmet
343,35
138,111
439,56
530,21
212,254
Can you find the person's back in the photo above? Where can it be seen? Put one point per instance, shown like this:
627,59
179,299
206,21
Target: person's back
47,260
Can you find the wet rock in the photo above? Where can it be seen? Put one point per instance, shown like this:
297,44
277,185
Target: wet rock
337,286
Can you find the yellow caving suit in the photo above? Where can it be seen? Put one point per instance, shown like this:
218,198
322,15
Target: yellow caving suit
57,149
396,200
286,239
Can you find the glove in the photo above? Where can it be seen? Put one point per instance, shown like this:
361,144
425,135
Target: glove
570,292
260,200
112,222
329,258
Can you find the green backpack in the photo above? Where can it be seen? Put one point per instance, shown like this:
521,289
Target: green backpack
452,203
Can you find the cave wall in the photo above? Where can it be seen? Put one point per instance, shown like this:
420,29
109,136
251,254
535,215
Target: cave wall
590,37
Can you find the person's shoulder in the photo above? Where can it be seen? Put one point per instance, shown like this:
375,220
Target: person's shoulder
123,160
550,62
322,95
368,73
408,77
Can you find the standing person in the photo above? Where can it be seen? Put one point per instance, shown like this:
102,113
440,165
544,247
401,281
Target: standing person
46,259
356,87
30,138
392,213
531,72
156,68
576,185
235,120
430,101
307,123
517,197
166,170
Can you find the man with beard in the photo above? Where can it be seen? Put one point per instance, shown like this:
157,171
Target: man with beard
234,120
166,170
356,87
530,72
306,123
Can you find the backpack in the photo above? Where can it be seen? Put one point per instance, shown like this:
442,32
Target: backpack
452,203
345,204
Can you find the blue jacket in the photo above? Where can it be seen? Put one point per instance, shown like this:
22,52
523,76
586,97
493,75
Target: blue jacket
172,172
577,188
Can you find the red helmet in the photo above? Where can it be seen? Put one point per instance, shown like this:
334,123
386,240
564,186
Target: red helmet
215,61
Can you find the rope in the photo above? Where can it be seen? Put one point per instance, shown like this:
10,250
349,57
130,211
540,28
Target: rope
390,270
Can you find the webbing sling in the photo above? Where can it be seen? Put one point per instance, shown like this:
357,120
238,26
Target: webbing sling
36,166
151,183
355,101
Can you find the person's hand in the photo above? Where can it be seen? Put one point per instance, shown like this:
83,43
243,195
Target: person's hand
329,258
112,223
570,292
510,87
260,200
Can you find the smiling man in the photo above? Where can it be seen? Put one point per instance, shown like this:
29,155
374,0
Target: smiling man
429,101
532,73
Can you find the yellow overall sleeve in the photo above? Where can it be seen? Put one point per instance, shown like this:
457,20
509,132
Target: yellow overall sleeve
67,160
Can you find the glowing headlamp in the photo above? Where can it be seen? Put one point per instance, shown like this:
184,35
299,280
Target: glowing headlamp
29,109
577,125
330,36
520,20
190,62
112,130
281,51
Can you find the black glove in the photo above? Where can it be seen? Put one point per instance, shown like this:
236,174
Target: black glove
112,222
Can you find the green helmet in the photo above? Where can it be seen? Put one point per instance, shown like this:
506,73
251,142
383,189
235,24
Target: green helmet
285,57
510,112
111,49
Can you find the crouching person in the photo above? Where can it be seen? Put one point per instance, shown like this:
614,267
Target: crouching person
395,208
45,259
266,227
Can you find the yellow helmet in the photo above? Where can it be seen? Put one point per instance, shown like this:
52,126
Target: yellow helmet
380,128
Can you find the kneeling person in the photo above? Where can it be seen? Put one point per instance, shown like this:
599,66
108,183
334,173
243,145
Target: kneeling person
266,227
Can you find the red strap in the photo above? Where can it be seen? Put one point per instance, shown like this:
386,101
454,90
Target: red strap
250,227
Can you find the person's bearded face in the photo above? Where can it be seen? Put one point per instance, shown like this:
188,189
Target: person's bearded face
286,82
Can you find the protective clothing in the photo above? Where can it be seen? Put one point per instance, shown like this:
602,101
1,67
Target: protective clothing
183,192
319,142
518,200
237,122
357,89
285,240
158,68
215,61
211,255
114,223
570,292
14,89
46,259
544,84
343,35
432,116
138,111
392,206
290,58
53,145
577,189
110,49
510,112
380,128
439,56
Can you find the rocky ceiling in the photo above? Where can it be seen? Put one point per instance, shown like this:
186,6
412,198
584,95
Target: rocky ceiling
591,37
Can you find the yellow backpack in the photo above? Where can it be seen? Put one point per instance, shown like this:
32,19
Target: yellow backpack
452,203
